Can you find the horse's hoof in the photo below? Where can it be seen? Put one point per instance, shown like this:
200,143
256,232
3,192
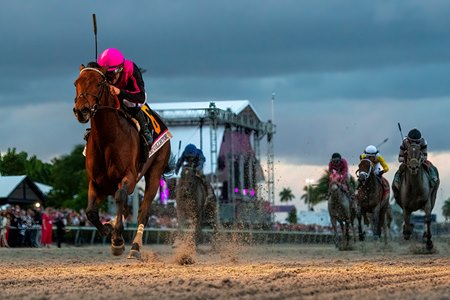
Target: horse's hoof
429,245
117,250
134,254
406,237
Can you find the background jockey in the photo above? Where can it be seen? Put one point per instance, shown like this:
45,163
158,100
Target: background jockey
372,154
414,137
126,82
340,166
194,156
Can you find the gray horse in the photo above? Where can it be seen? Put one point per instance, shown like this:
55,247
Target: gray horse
416,191
341,210
372,199
193,210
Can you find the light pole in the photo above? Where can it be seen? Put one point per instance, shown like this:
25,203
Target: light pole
309,182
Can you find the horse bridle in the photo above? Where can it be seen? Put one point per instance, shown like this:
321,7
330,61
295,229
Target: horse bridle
418,161
364,174
103,85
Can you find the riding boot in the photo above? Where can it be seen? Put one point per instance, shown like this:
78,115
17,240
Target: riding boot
86,134
140,117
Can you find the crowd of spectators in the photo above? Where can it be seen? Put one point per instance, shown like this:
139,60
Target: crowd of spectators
37,227
31,227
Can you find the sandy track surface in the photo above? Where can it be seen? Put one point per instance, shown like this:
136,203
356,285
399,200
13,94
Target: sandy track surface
236,272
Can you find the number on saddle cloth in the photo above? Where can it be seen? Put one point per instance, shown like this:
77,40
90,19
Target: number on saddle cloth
157,125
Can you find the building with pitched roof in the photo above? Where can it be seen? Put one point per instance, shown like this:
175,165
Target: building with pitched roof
22,190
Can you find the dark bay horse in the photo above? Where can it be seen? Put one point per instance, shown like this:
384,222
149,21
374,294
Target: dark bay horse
371,198
193,209
341,210
113,158
417,192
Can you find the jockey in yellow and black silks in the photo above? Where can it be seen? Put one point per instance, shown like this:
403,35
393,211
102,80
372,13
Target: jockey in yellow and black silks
378,161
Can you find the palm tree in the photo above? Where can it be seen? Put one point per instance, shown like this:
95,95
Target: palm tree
286,195
446,209
316,193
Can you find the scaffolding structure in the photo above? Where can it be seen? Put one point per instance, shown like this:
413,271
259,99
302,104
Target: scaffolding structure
215,117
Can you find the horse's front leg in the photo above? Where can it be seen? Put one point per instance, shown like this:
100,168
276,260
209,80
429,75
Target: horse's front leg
334,225
343,233
361,233
151,187
347,234
117,241
92,211
407,226
427,234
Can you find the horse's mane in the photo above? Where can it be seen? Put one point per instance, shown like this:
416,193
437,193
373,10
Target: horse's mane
93,64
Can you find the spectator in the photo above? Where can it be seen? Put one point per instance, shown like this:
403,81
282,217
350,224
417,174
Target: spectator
29,224
60,223
15,223
47,228
3,229
36,235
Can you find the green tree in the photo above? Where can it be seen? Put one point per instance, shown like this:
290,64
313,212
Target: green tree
316,193
286,195
69,180
13,163
292,216
39,171
446,209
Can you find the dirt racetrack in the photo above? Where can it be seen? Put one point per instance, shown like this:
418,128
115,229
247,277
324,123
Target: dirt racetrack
236,272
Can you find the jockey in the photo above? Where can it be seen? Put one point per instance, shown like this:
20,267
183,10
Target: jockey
126,82
340,166
194,156
380,164
414,137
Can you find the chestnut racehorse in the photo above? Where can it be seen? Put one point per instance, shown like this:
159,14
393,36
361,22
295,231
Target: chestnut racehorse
113,162
371,199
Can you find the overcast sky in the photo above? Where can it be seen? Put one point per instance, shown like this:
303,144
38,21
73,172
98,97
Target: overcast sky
344,72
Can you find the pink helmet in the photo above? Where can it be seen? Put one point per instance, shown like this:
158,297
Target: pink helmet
112,59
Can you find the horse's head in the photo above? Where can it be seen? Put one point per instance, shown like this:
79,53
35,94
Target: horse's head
414,158
334,181
91,86
365,169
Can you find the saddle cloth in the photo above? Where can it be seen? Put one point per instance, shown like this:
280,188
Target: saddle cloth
161,133
386,188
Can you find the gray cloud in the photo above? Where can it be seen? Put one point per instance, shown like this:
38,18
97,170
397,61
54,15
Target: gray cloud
367,64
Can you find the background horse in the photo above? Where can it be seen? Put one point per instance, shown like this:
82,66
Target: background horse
371,199
193,209
341,209
112,158
416,192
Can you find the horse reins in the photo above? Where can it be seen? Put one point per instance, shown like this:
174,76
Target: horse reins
102,84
